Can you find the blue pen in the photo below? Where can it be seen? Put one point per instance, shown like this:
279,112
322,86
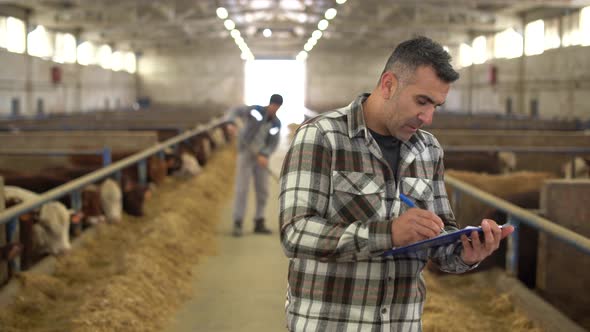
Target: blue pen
406,200
411,204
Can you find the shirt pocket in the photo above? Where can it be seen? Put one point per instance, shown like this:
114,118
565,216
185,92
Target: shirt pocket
418,188
356,196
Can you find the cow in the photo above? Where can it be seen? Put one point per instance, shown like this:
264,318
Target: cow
217,137
111,199
49,178
91,205
156,167
189,166
50,225
200,146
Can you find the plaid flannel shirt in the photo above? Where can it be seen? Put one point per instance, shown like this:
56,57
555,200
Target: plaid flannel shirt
338,201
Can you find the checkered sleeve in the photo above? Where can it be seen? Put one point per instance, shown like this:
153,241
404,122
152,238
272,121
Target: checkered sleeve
307,231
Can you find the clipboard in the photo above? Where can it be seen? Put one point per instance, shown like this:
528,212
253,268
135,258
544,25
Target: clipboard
441,240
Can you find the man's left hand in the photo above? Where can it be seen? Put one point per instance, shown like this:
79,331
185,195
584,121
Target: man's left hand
476,250
262,161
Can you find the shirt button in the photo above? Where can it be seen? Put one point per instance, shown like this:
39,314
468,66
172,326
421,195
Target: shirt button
384,311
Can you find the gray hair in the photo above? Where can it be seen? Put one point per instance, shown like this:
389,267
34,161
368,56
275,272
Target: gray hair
417,52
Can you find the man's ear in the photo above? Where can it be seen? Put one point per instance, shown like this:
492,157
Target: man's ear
388,84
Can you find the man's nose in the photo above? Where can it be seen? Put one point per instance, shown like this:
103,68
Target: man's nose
426,117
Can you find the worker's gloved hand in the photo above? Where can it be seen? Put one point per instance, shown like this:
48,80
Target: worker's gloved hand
415,225
262,161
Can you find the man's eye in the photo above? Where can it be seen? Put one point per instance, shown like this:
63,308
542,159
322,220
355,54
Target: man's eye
422,102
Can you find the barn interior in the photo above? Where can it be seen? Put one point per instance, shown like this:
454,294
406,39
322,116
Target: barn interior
132,89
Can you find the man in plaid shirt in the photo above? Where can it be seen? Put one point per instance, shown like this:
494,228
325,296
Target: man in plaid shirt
340,208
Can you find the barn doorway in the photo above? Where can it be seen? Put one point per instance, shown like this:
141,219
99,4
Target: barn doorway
285,77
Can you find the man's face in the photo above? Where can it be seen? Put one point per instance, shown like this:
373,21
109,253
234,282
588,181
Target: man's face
412,105
272,109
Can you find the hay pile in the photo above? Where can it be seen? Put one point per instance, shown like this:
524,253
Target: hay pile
470,303
130,276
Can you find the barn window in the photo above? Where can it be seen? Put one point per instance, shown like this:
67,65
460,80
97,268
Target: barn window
585,26
117,61
571,29
552,39
129,62
104,55
65,48
534,41
39,43
480,50
508,44
86,53
465,55
15,29
3,32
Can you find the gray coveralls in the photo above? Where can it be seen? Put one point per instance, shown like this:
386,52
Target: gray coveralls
258,136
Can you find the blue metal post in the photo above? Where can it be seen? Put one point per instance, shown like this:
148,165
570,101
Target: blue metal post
11,228
76,201
106,156
142,171
513,242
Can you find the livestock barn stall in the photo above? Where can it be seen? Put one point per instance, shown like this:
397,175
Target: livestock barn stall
120,143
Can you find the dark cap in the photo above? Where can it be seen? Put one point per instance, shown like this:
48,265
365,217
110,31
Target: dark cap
276,99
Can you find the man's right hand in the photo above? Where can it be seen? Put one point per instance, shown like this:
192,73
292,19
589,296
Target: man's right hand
415,225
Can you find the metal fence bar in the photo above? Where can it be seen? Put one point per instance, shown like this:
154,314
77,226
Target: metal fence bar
95,176
559,232
519,149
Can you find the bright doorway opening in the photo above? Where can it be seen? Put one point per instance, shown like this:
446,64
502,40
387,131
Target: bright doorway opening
285,77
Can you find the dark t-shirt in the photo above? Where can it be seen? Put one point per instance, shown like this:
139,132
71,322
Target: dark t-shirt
390,147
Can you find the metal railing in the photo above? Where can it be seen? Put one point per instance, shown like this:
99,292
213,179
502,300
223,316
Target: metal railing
519,149
74,186
516,215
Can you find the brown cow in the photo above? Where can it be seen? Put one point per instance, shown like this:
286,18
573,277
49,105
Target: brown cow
156,167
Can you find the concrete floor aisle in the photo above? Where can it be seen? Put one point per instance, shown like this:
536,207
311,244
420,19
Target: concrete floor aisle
243,287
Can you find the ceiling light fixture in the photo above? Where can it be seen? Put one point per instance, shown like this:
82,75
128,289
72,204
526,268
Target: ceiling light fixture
323,25
246,54
267,33
317,34
330,13
222,13
229,24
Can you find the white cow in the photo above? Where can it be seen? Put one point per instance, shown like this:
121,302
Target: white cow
111,199
189,166
218,137
51,232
